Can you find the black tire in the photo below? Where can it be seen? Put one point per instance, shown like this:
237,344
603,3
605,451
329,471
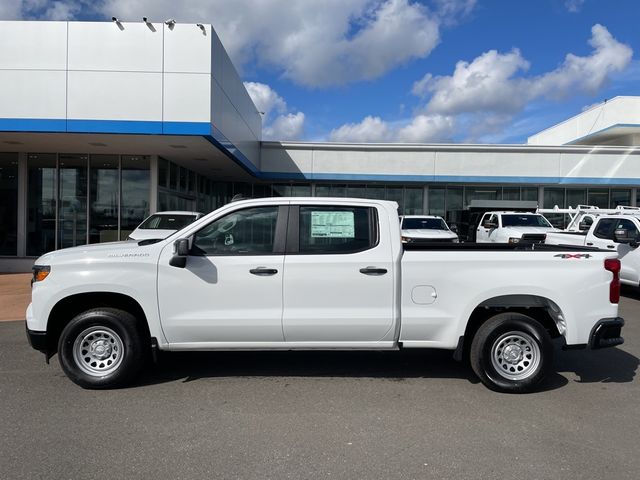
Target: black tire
108,347
511,353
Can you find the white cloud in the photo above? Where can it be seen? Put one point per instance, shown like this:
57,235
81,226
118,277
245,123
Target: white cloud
265,98
493,82
480,99
574,6
419,129
315,43
484,84
287,125
427,129
370,129
10,10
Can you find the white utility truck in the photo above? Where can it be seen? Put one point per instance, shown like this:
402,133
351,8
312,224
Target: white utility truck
319,273
616,233
512,227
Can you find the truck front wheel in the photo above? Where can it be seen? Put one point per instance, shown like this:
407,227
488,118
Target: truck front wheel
511,352
101,348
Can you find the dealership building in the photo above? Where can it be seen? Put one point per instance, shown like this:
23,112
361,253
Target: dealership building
104,123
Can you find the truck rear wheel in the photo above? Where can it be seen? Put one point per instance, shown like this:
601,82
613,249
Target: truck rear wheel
511,352
101,348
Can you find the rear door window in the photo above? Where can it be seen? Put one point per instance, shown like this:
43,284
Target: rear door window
329,229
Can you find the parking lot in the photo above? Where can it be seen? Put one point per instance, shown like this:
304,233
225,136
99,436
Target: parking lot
322,415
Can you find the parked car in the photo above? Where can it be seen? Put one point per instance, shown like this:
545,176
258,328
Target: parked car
616,233
513,227
425,228
319,273
162,224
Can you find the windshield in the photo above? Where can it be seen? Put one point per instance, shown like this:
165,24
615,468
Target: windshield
424,224
167,222
523,220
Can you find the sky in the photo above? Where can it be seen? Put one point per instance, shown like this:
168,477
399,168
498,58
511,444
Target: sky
416,71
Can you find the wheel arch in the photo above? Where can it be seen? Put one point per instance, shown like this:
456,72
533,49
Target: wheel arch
540,308
68,307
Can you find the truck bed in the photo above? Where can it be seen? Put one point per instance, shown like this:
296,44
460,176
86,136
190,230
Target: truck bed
492,247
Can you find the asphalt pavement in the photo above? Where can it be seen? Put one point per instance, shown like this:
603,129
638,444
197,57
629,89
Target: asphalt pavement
299,415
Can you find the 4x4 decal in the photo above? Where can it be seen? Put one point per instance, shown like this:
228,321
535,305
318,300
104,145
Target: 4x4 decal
573,255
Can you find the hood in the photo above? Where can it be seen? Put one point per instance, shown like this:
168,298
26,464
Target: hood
518,231
428,234
95,250
149,234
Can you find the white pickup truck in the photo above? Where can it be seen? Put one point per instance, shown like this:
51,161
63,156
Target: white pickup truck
319,273
512,227
616,233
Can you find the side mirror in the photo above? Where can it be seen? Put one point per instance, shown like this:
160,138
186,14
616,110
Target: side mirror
490,225
180,253
453,228
584,226
623,235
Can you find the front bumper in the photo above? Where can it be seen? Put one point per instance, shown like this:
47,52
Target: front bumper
606,333
38,340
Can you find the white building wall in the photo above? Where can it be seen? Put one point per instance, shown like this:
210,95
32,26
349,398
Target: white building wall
619,111
453,163
128,77
232,111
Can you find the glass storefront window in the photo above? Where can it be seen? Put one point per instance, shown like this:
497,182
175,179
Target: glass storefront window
134,202
322,191
173,176
576,197
529,193
72,202
436,201
300,190
356,191
598,197
192,182
553,197
103,194
281,190
482,193
511,193
413,201
375,192
41,204
620,197
8,203
163,173
395,195
183,173
261,191
338,190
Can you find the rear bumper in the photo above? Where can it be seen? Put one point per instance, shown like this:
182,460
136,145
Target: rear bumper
607,333
37,340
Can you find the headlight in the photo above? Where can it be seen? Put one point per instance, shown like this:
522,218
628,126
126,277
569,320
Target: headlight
514,240
40,272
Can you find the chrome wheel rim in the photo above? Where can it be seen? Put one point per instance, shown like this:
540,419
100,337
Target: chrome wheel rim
98,351
515,355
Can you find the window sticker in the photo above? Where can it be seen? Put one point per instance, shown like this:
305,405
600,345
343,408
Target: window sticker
332,225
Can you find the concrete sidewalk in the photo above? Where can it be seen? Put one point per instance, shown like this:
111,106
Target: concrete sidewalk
15,295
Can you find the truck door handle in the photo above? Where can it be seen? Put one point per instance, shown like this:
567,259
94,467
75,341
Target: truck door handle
611,246
373,271
263,272
589,243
